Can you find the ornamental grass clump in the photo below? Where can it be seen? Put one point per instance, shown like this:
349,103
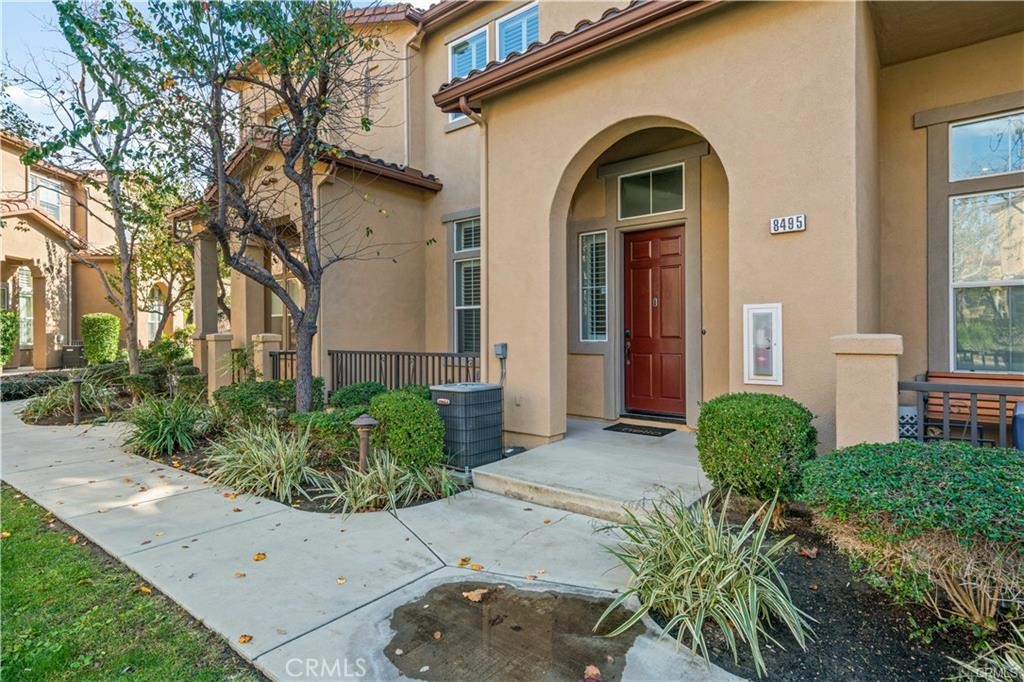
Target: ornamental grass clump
164,427
59,401
694,569
259,459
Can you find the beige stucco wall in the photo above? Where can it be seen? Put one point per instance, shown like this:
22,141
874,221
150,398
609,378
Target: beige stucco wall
714,273
990,68
586,385
780,159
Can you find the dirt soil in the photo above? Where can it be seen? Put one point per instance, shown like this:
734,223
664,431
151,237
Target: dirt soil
860,635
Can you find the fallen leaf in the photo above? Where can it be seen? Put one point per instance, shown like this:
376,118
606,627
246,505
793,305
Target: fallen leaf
809,552
73,539
239,574
547,521
230,496
398,652
145,589
85,581
592,674
540,571
159,533
437,634
609,658
475,595
341,580
531,577
464,561
245,639
236,509
146,542
5,534
424,668
813,586
259,556
176,465
476,567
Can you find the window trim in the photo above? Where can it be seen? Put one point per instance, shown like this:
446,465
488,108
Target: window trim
455,304
776,311
651,171
952,286
35,181
456,116
508,17
579,284
968,121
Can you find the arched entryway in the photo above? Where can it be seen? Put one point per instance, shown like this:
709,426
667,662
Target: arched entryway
643,212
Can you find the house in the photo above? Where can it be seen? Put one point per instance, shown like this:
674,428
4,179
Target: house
655,203
48,212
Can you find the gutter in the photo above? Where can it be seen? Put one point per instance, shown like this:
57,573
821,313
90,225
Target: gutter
485,306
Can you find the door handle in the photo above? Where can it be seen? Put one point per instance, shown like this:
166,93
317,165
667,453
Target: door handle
627,346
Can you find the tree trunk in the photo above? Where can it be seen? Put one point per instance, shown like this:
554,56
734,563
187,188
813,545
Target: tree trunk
304,334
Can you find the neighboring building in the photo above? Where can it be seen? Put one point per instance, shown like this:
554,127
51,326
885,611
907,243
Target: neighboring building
656,203
45,209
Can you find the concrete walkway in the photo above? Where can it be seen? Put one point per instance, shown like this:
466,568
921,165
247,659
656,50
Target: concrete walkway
598,473
328,585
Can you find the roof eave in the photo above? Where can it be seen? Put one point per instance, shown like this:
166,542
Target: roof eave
564,50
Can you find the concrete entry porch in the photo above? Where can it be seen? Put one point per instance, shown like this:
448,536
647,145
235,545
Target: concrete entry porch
597,472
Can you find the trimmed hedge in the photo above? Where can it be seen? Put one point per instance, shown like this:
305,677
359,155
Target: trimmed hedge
252,400
755,443
417,389
100,332
357,394
410,428
30,385
974,493
8,334
191,387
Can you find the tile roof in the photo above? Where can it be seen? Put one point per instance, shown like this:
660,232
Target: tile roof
11,207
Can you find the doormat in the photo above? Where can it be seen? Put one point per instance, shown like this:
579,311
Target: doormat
638,430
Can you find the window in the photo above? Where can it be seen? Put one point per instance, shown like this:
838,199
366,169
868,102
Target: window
593,286
156,306
282,123
988,146
46,194
467,235
25,305
465,55
650,192
762,344
987,281
467,305
518,31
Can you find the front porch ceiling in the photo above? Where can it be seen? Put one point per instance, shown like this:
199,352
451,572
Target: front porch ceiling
909,30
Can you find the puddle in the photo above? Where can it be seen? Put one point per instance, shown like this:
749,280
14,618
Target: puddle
509,634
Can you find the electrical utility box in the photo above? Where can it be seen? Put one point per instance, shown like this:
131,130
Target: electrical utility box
472,416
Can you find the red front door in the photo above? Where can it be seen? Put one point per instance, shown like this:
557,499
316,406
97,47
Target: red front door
654,322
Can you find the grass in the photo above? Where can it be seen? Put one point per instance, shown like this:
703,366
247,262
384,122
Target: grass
263,460
70,613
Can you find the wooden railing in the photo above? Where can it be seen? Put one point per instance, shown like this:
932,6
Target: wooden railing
395,369
282,364
979,413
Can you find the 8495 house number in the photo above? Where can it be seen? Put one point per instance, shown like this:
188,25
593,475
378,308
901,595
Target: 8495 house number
789,223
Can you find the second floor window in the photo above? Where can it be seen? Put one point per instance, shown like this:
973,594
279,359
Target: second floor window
518,31
465,55
46,194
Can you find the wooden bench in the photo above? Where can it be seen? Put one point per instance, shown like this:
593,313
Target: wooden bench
987,405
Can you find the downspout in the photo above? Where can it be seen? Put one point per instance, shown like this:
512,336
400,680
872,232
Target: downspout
416,37
484,259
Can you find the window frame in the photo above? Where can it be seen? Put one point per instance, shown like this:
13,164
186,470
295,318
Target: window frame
952,285
455,234
579,284
26,293
455,301
775,309
509,17
650,203
968,121
35,181
450,45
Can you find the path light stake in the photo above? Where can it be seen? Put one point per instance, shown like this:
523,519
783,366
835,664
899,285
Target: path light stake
76,398
364,423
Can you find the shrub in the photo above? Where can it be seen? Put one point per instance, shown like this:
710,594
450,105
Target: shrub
19,387
59,401
387,484
947,513
139,386
689,565
410,428
168,352
163,427
112,375
417,389
263,460
754,443
100,332
357,394
252,400
192,387
8,334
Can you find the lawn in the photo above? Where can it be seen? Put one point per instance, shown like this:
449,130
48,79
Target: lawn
70,612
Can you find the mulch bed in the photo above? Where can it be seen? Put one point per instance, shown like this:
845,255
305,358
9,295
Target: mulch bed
66,419
860,635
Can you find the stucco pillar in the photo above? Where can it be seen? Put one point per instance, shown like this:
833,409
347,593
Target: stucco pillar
218,354
262,345
40,339
204,304
867,372
247,302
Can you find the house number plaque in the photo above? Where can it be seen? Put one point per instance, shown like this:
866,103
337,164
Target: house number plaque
789,223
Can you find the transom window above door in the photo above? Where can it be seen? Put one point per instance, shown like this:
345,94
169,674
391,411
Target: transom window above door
651,192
